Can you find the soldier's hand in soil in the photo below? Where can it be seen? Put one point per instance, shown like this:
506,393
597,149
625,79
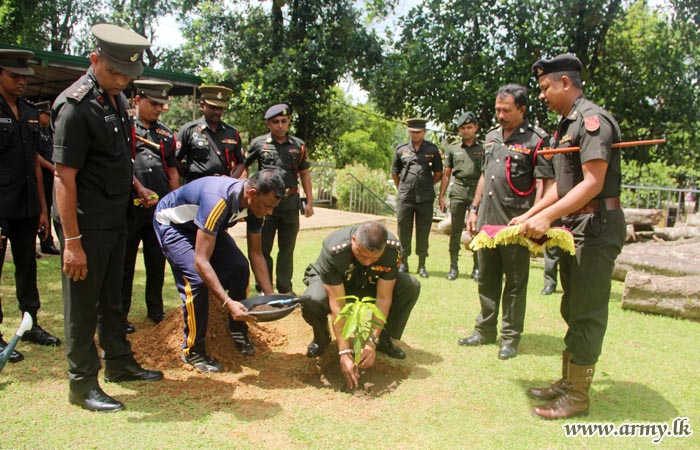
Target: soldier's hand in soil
74,260
350,370
239,312
367,357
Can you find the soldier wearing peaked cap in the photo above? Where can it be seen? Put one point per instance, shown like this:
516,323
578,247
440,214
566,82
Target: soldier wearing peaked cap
22,205
360,260
93,153
208,146
154,167
586,196
463,161
416,167
280,150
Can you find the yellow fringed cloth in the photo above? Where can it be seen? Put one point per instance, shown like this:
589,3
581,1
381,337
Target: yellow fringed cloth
492,235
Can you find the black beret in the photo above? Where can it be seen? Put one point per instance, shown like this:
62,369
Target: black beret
277,110
566,62
467,117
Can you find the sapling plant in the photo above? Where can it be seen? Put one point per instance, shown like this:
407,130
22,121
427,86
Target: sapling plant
359,315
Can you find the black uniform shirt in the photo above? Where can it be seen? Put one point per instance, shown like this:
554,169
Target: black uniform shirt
94,136
593,129
151,164
19,142
200,157
290,156
46,144
416,169
510,169
336,264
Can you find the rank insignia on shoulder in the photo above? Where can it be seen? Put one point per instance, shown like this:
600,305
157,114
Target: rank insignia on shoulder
339,248
592,123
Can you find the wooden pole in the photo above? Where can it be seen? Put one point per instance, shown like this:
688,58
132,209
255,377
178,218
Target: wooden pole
553,151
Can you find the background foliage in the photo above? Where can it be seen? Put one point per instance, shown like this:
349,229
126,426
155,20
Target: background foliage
436,59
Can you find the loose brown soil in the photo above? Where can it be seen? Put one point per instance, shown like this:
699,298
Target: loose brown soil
280,360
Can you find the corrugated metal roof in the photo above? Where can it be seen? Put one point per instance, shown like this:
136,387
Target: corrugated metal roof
54,72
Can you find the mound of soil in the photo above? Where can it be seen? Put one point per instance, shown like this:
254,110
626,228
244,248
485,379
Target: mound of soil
280,359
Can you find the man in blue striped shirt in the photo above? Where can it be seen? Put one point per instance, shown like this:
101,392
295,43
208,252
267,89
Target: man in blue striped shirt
191,224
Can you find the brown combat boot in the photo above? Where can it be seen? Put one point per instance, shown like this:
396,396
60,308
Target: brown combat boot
575,401
557,388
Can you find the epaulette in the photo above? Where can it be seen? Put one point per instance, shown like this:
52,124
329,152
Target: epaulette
394,244
539,131
336,249
78,94
296,140
28,102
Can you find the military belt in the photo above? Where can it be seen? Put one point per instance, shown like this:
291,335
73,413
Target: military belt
595,205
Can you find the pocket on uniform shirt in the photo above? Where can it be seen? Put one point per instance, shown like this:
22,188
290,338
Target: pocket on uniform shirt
5,138
118,186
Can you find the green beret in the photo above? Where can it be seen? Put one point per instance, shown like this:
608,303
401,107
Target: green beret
215,95
467,117
416,124
122,47
16,61
153,90
567,62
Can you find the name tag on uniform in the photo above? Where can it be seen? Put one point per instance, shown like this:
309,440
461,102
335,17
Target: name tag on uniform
5,120
111,118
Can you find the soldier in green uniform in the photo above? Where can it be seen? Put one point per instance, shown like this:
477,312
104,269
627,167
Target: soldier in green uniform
506,189
463,162
45,157
22,206
208,146
586,195
93,153
154,167
360,260
288,154
416,167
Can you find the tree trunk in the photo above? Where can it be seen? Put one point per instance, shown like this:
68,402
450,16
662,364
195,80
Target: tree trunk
673,234
649,217
674,258
671,296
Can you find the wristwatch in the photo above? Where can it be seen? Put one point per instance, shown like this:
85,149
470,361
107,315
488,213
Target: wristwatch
373,340
473,208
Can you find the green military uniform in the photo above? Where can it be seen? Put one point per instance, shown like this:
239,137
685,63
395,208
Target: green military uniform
416,168
599,235
290,158
510,169
465,162
337,265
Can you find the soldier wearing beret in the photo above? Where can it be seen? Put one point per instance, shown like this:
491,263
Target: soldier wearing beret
280,150
416,167
154,167
463,162
45,157
586,195
506,189
360,260
22,205
208,146
93,153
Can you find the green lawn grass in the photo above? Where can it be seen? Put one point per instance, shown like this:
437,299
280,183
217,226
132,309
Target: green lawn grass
451,397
